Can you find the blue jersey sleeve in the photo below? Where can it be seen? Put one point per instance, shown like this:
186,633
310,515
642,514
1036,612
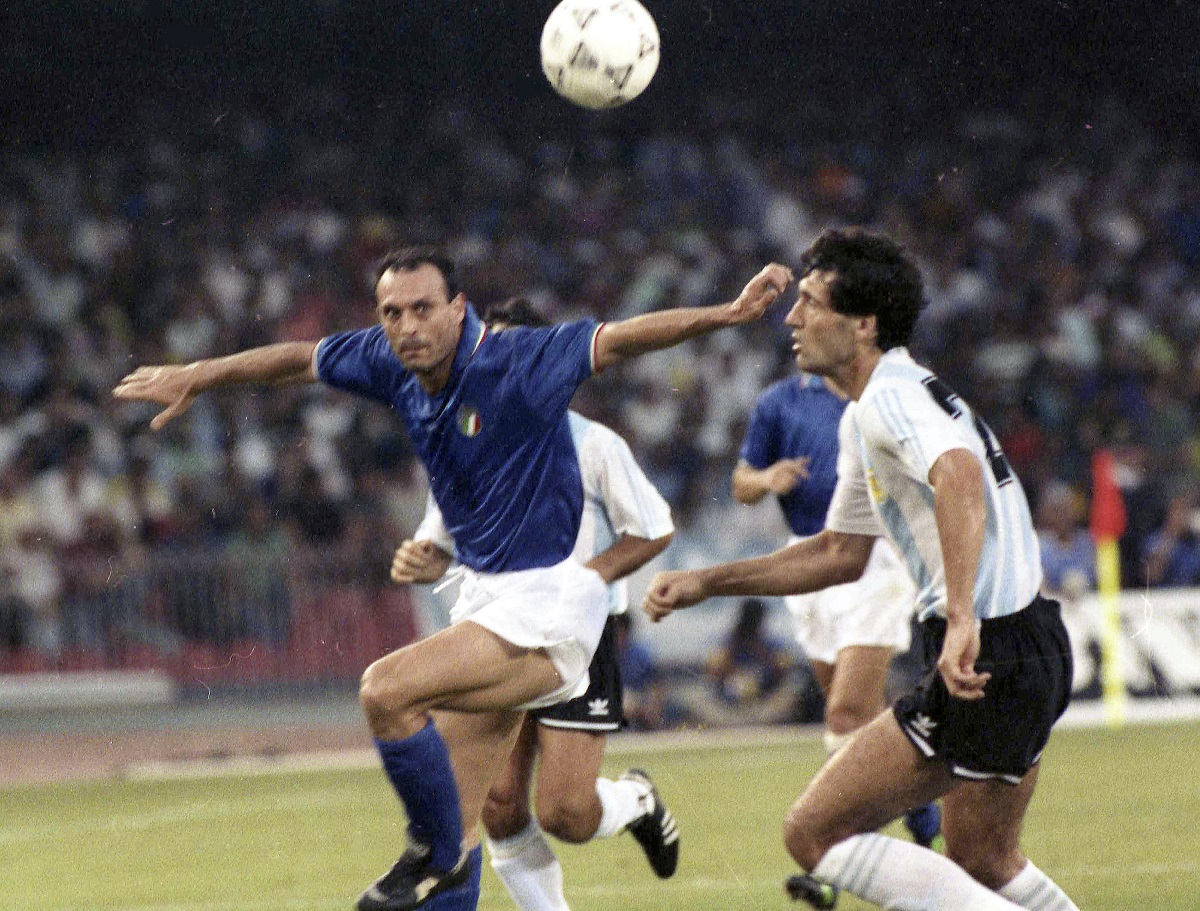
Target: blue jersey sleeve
361,362
760,448
553,362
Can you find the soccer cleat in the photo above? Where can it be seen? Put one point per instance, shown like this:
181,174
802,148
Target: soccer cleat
656,831
803,888
411,882
925,824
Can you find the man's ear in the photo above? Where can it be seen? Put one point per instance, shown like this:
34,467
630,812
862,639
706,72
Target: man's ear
867,329
459,305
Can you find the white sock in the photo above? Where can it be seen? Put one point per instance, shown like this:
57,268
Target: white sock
834,742
529,870
621,803
1035,891
900,876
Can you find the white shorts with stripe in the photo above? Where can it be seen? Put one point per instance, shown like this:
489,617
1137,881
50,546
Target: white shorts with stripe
875,610
560,609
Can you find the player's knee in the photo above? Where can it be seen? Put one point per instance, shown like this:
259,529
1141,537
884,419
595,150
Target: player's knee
989,863
378,693
503,814
803,838
572,818
845,717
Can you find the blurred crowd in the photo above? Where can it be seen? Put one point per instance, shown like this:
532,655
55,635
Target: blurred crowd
1060,259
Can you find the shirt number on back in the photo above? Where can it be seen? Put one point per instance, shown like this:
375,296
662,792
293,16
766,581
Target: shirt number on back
949,401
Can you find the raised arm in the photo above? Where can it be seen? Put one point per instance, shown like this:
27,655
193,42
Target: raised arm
176,386
828,558
751,484
653,331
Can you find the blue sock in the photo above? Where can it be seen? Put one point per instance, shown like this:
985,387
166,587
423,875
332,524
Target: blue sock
464,897
419,769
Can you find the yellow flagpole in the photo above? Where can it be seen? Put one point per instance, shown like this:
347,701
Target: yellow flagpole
1108,578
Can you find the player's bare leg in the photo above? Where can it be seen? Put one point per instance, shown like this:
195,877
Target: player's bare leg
506,810
568,806
982,826
831,828
464,669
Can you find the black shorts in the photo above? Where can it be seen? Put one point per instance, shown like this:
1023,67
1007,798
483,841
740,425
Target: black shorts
1003,734
599,709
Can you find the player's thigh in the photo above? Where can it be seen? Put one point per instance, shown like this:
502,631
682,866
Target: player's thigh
859,681
570,764
981,823
464,668
877,777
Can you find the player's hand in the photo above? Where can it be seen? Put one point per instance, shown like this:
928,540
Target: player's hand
957,661
760,292
419,562
672,591
172,385
784,475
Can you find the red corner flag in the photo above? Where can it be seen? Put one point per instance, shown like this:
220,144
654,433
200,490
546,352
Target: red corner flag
1108,506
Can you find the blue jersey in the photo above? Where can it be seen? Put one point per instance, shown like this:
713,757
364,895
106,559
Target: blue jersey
793,418
494,440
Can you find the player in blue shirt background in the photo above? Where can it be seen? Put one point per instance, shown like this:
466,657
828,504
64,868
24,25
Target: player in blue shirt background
486,413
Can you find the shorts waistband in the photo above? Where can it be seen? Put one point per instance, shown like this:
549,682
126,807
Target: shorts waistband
1038,607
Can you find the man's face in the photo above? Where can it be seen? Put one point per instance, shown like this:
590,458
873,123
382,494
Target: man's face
822,339
422,325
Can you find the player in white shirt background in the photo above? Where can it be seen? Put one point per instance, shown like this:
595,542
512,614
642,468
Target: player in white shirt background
917,465
625,524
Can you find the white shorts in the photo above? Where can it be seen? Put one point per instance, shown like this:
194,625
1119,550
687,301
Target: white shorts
560,609
875,610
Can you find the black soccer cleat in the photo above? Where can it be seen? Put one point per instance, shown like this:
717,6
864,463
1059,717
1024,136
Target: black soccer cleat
656,831
803,888
412,881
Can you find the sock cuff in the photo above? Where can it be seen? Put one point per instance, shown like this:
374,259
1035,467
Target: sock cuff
505,848
834,742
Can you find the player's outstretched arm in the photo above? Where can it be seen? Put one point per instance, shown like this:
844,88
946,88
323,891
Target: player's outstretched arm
828,558
653,331
419,562
628,554
177,385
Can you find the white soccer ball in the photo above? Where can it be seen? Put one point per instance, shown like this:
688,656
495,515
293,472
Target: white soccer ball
599,53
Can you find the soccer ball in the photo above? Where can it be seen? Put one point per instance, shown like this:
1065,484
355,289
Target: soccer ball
599,53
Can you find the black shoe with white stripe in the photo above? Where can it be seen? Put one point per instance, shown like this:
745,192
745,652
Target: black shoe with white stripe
803,888
656,831
412,881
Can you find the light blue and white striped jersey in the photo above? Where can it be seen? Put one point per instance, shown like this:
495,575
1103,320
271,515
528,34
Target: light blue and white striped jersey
890,438
618,499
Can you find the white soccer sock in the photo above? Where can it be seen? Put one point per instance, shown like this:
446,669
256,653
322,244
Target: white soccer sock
900,876
621,803
1035,891
529,870
834,742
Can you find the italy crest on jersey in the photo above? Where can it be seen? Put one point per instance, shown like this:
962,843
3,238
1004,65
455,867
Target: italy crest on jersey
469,422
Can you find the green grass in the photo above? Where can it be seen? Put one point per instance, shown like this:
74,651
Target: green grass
1114,822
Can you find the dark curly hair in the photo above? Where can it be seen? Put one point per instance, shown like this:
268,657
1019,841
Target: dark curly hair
516,311
873,276
409,258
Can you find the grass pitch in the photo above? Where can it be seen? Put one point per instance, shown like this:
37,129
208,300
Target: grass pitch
1114,822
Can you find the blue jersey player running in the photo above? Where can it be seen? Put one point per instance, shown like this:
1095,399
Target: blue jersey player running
487,414
915,464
